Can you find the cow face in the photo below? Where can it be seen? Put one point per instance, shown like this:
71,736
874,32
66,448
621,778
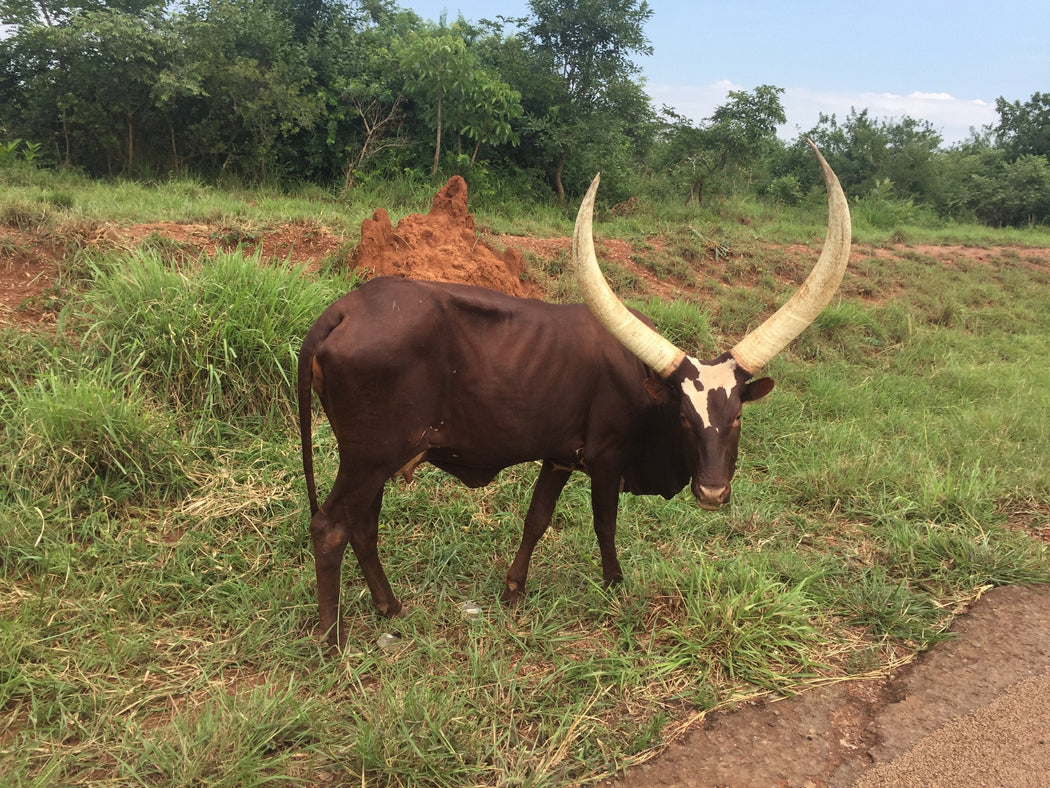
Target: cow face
713,396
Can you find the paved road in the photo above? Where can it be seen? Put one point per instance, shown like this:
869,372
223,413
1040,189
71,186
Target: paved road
974,711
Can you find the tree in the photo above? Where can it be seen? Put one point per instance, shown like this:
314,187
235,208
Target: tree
436,64
242,84
449,79
1024,129
487,110
735,133
985,185
587,45
29,13
85,85
866,152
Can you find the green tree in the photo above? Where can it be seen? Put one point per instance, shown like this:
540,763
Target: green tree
241,84
586,49
360,86
436,65
866,152
1013,192
84,86
29,13
489,106
449,82
736,133
1024,129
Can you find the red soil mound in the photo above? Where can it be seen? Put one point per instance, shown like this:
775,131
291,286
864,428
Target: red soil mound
441,246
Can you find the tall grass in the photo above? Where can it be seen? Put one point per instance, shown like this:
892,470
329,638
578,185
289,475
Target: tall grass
219,339
156,583
94,436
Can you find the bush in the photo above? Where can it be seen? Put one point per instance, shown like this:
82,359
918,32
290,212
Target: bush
96,436
1015,193
785,190
220,340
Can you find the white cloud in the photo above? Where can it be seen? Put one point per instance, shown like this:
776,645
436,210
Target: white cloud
951,116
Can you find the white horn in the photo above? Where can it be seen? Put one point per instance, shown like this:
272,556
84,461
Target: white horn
756,349
636,336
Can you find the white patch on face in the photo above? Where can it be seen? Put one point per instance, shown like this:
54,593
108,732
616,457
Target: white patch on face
713,377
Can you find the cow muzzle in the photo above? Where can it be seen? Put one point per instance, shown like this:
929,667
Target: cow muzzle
711,498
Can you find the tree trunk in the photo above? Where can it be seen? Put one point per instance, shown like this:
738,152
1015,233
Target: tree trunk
437,141
559,189
65,136
696,192
131,146
174,149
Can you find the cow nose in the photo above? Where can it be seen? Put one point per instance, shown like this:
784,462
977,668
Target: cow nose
711,498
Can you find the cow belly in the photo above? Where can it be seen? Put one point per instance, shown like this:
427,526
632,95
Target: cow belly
470,475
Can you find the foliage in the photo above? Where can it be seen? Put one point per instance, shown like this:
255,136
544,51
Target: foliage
866,151
450,77
587,46
347,93
735,136
1024,129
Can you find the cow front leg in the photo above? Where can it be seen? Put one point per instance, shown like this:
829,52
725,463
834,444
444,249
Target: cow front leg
605,499
545,494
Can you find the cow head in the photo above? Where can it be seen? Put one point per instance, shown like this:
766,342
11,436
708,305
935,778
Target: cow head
713,393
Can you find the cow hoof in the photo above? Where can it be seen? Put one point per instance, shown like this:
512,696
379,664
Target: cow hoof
334,640
512,594
392,610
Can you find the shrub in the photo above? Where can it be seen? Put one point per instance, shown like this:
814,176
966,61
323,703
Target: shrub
95,436
222,339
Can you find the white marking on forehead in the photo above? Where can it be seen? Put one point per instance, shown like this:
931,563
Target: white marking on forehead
713,377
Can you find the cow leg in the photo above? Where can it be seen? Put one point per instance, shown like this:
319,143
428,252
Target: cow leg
350,515
605,499
544,496
364,539
329,538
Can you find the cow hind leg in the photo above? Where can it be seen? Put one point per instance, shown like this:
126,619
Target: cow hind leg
548,487
364,540
329,537
350,515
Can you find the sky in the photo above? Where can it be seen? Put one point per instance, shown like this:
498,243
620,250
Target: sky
943,61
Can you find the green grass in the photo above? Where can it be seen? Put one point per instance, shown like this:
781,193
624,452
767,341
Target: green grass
157,605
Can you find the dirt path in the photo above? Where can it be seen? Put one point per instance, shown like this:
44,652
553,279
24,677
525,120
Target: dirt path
974,711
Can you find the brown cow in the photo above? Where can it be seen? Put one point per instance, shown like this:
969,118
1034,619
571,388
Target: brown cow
473,381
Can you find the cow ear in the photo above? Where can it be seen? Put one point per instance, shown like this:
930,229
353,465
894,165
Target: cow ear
757,389
658,390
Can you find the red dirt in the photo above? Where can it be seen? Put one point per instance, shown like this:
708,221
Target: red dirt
28,270
440,246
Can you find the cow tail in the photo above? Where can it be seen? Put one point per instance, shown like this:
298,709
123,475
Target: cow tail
303,390
317,334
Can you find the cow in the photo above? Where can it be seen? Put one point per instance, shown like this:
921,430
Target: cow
474,381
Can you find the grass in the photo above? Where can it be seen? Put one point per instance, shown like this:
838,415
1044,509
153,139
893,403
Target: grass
156,582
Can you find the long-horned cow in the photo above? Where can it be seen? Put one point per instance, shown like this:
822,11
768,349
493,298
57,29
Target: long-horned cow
474,381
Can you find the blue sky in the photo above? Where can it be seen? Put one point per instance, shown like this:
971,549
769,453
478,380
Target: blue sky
945,61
